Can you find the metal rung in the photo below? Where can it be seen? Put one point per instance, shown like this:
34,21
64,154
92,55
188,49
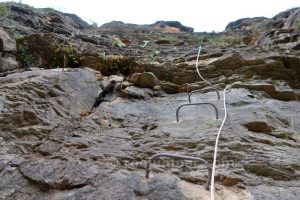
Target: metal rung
148,167
194,91
194,104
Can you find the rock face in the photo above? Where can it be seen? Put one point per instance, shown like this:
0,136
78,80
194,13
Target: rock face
23,20
46,142
54,146
7,50
244,23
282,28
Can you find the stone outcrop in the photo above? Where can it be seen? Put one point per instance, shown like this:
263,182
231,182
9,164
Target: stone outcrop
24,20
7,51
145,80
244,23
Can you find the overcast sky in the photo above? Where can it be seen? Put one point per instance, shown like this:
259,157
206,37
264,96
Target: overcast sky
208,15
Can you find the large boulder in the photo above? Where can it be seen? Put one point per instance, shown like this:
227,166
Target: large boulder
7,50
145,80
8,63
6,43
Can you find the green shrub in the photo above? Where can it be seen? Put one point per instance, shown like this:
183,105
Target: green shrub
298,24
3,10
65,55
120,65
24,56
94,24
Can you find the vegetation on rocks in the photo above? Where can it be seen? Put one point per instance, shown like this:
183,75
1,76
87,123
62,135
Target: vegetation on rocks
298,24
214,39
3,10
24,56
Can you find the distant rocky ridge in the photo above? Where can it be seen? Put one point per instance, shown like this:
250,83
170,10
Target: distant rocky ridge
25,20
284,20
163,26
244,23
282,28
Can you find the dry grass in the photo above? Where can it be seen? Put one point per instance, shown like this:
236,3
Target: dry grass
85,112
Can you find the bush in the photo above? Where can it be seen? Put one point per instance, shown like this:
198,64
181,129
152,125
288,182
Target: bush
119,65
94,24
24,56
298,24
3,10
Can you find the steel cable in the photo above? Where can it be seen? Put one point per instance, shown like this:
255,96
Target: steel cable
212,187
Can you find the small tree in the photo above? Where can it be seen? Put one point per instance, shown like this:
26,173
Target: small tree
94,24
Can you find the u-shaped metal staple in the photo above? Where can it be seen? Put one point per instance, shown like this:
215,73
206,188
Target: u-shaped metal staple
148,167
195,104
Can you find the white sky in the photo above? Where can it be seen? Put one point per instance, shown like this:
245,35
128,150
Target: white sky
208,15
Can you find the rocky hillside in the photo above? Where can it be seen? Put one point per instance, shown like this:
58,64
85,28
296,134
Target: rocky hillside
83,108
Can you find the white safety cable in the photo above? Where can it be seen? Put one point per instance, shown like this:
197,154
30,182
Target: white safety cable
212,187
197,62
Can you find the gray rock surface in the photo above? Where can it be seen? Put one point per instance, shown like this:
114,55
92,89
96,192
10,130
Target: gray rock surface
7,52
47,143
6,44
